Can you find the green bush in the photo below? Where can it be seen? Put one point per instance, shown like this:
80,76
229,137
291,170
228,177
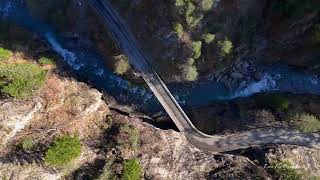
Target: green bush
131,170
178,29
189,72
133,136
316,33
193,20
273,101
4,31
206,5
225,47
122,64
47,61
304,122
27,144
5,54
208,38
21,80
63,150
285,171
179,3
196,47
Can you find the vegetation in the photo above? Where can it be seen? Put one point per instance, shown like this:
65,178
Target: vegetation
122,64
63,150
5,54
47,61
4,31
273,101
27,144
108,172
189,72
284,171
208,38
316,33
225,47
196,47
132,136
206,5
178,29
131,170
21,80
305,122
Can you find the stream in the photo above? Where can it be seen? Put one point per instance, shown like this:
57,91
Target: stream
87,64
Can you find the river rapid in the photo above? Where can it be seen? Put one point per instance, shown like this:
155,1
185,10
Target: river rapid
88,65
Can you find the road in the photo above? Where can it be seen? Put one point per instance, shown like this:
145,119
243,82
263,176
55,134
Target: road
215,143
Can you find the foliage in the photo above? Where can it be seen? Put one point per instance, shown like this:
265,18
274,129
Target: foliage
286,7
131,170
27,144
273,101
179,3
194,20
285,171
133,135
208,38
178,29
4,31
47,61
225,47
63,150
305,122
21,80
5,54
206,5
122,64
316,33
196,47
107,173
189,72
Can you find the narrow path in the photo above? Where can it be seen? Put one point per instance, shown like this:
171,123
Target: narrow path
129,45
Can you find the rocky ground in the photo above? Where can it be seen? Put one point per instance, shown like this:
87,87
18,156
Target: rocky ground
67,106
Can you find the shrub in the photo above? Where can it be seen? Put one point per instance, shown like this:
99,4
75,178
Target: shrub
305,122
107,173
131,170
179,3
47,61
285,171
5,54
196,47
21,80
178,29
63,150
27,144
193,20
122,64
206,5
189,72
225,47
132,136
316,33
273,101
208,38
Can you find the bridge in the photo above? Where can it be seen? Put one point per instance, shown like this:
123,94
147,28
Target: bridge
213,143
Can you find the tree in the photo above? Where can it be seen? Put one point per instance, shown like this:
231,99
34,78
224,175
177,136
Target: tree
178,29
63,150
208,38
196,47
122,64
225,47
189,72
206,5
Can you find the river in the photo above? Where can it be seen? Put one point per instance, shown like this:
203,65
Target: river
87,64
